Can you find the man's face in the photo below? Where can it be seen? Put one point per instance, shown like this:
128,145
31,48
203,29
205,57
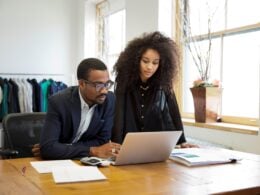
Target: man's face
90,90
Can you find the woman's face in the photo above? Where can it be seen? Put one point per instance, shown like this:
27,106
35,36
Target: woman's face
149,64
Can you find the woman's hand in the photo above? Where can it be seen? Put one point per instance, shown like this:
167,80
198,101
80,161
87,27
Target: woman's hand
188,145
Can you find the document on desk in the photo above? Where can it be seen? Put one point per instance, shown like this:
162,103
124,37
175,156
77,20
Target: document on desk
46,166
202,156
76,174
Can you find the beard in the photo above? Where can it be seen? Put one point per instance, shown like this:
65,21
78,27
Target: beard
100,99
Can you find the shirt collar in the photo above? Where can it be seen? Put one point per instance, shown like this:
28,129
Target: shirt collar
82,102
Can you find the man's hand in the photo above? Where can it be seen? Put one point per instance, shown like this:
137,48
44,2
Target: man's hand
36,150
107,150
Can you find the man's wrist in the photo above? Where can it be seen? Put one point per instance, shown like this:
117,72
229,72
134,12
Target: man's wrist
92,151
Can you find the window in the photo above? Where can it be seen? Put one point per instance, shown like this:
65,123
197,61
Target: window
114,36
235,30
111,34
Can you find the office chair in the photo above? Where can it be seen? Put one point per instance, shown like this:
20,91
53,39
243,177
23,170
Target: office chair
21,132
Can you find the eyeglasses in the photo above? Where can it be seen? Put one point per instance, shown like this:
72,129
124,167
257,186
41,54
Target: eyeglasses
100,86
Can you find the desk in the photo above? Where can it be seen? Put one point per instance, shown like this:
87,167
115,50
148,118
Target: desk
154,178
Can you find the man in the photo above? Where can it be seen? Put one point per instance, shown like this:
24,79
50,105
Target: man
80,118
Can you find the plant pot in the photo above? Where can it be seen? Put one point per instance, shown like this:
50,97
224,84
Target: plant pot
206,103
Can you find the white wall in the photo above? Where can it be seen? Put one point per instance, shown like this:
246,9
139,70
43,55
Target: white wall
148,16
238,141
41,37
90,30
141,16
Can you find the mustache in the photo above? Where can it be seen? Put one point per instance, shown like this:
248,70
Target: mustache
101,95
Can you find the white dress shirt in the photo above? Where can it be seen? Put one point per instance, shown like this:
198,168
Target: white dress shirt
86,116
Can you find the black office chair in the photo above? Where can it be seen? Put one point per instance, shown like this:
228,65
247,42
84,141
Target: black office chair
21,132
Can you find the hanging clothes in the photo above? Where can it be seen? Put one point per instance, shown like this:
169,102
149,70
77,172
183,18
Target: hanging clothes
4,103
19,95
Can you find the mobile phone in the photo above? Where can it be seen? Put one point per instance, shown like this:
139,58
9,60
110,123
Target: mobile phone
94,161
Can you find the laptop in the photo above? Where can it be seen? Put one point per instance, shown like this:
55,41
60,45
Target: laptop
146,147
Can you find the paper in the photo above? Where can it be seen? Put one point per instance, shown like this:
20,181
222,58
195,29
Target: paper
46,166
202,156
76,174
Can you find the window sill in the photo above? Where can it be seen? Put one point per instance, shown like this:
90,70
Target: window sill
235,128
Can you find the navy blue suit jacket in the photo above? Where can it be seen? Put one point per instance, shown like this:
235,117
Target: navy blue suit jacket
62,122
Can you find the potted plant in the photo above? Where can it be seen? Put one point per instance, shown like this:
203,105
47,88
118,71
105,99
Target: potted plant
206,98
206,93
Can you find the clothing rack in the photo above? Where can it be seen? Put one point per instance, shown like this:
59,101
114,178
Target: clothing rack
29,94
33,74
39,76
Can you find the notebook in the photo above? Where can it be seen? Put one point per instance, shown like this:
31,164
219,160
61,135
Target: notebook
203,156
146,147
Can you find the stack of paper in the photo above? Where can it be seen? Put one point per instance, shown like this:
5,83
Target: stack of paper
76,174
65,171
46,166
202,156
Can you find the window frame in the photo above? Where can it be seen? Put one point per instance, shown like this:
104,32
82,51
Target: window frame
103,11
219,34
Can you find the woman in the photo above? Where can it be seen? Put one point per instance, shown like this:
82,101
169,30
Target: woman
145,100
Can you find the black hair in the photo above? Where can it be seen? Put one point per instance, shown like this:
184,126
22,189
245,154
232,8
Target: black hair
87,65
127,67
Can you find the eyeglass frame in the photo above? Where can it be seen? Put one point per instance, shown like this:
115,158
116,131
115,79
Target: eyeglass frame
98,85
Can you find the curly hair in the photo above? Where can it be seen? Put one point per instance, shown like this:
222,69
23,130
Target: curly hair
127,67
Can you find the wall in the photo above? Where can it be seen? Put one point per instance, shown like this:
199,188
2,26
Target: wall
41,37
141,16
90,30
237,141
147,16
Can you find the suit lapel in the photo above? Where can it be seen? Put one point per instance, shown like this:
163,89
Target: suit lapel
95,119
75,110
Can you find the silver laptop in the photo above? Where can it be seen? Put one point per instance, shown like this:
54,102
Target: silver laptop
147,147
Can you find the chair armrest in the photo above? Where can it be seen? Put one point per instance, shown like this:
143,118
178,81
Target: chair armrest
8,153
